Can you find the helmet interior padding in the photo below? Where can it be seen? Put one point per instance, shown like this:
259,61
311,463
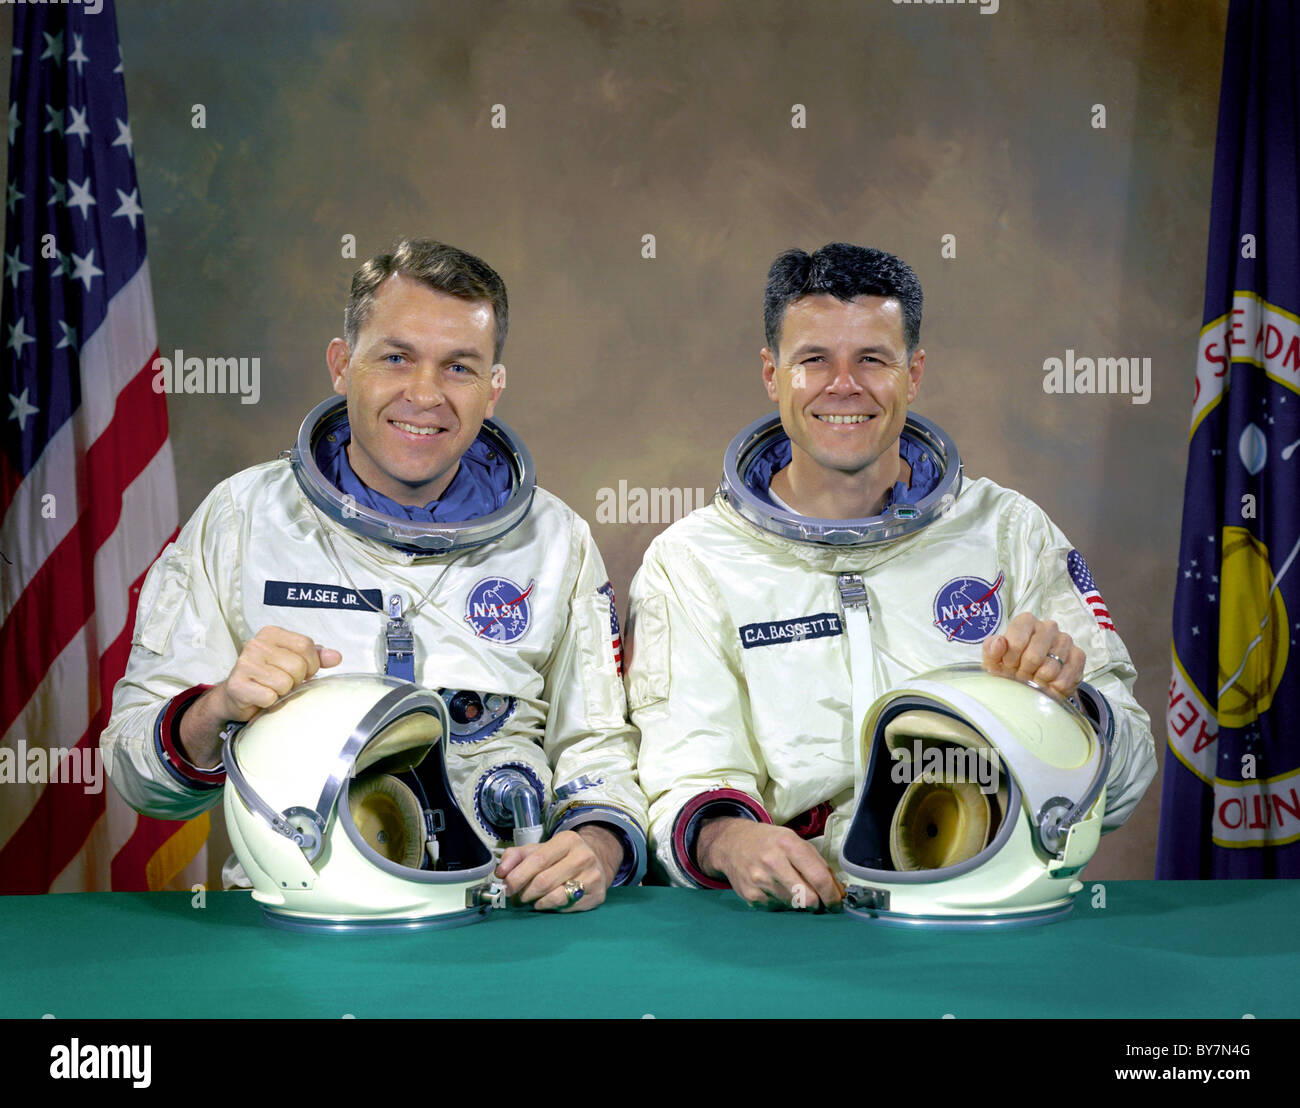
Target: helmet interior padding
948,805
938,824
401,745
389,818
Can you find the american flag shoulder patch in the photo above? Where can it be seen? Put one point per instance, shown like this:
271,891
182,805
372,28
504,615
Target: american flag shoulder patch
607,590
1081,575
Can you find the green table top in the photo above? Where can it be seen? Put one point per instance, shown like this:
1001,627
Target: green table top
1156,950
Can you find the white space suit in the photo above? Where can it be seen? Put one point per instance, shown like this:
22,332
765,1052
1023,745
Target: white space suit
523,624
739,673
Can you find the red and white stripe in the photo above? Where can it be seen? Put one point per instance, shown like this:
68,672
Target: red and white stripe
69,606
1098,608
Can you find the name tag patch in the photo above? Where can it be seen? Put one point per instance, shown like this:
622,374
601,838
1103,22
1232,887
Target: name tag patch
819,626
308,594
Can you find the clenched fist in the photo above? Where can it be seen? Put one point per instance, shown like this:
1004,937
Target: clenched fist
272,664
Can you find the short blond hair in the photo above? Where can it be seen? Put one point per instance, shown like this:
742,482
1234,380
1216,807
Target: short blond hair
436,265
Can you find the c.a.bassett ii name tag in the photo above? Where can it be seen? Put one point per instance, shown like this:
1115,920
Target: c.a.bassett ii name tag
817,626
309,594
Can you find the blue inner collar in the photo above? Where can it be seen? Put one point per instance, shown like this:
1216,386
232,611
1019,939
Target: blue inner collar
483,482
776,456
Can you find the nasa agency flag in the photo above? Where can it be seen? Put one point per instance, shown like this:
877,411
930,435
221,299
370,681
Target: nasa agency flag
1231,802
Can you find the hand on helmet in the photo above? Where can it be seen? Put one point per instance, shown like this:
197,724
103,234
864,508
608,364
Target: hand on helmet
1036,650
273,663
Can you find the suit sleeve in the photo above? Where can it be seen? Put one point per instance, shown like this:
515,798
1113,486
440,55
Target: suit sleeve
589,742
688,698
182,643
1054,573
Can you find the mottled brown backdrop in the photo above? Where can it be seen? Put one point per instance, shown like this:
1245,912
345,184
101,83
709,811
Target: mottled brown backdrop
673,119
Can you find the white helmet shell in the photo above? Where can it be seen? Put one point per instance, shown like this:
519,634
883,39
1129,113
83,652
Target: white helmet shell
329,835
982,798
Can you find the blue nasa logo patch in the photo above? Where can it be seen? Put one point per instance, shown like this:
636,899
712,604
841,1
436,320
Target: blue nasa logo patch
499,610
968,609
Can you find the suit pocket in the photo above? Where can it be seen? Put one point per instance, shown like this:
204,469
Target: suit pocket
164,593
602,690
649,659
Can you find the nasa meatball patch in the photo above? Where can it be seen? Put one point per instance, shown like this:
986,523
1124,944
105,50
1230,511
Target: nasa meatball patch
499,610
968,609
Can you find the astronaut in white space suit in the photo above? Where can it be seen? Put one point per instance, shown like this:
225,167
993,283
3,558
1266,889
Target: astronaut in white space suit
842,555
404,535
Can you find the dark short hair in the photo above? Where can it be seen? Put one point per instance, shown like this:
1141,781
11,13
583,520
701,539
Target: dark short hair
436,265
844,271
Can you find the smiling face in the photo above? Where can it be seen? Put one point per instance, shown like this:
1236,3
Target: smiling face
843,380
419,385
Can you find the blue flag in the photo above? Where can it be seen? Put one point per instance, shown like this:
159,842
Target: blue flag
1231,802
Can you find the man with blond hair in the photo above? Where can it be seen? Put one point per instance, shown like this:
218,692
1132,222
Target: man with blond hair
406,537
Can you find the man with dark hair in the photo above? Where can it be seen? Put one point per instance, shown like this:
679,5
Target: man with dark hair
844,272
745,677
406,536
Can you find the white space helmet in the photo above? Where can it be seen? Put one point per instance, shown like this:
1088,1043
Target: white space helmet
328,833
982,798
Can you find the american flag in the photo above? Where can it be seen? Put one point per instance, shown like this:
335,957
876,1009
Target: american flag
1081,575
608,590
86,479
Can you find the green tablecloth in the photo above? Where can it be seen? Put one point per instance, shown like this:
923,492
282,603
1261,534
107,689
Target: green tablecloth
1157,949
